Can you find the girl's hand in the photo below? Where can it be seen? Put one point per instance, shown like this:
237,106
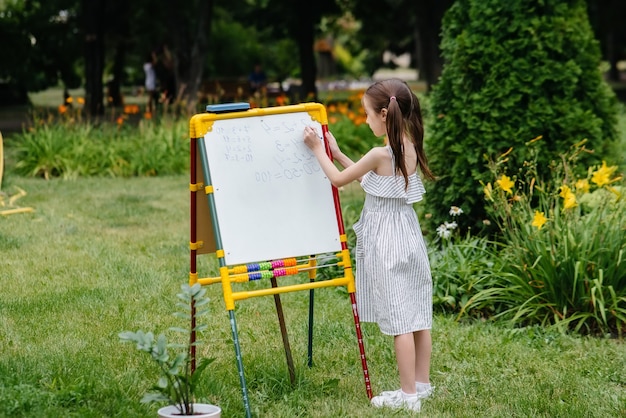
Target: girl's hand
311,138
332,142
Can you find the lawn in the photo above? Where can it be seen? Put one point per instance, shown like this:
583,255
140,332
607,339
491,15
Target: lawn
102,255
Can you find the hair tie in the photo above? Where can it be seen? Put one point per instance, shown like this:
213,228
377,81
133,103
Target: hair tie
392,98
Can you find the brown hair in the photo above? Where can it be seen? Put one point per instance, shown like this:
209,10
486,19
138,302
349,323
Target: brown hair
404,114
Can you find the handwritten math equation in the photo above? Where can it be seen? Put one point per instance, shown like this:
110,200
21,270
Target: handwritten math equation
273,151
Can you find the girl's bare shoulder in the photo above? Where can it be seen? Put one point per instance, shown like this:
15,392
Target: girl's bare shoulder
380,160
380,152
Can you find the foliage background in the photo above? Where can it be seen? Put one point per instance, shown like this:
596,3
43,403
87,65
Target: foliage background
511,76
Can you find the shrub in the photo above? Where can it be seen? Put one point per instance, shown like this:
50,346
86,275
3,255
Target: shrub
514,70
462,266
70,149
563,261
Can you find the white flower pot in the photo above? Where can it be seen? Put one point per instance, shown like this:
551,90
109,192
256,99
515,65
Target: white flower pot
201,410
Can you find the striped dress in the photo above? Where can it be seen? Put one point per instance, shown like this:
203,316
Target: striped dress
393,280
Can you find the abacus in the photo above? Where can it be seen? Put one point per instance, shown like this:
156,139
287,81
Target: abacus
239,155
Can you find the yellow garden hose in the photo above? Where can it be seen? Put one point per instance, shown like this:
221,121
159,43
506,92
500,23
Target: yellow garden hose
12,199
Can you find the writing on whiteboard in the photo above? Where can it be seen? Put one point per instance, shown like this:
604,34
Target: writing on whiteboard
290,157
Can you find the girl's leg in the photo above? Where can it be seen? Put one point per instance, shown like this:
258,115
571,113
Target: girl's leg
406,355
423,350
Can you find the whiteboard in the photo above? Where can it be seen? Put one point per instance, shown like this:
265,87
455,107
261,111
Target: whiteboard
271,197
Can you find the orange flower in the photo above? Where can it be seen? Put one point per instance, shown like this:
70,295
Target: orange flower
131,109
359,120
62,109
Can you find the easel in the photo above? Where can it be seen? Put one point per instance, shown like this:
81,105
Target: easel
206,237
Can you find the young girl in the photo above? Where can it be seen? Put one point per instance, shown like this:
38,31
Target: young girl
393,280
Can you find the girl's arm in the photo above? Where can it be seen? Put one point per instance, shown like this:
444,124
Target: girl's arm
339,156
355,171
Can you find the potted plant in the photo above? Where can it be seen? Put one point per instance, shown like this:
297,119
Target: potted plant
178,381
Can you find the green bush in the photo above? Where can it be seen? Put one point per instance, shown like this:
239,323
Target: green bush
563,257
71,149
462,268
514,70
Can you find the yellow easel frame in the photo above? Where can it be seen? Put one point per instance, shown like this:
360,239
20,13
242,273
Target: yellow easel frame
205,238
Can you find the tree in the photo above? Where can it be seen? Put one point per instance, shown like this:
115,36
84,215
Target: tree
298,21
514,71
188,28
405,26
39,44
428,17
93,13
118,33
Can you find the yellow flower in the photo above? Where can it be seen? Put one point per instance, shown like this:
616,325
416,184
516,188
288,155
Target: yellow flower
569,198
506,183
602,176
569,201
539,220
582,186
488,189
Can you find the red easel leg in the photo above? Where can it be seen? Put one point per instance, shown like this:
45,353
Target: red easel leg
359,336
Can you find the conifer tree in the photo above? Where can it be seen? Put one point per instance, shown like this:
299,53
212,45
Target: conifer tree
514,70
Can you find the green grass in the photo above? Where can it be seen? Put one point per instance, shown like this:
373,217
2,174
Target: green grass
100,256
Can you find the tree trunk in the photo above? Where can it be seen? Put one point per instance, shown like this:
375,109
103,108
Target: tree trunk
114,87
308,68
191,75
121,33
429,14
93,15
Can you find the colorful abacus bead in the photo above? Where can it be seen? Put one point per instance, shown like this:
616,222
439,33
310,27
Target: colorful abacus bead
254,267
291,270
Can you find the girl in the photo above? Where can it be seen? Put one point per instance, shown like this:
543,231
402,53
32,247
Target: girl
393,280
